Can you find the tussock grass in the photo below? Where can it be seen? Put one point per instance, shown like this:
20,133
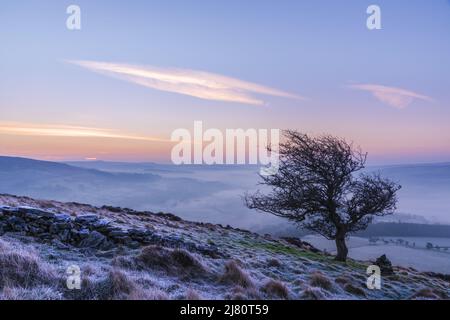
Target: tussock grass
171,262
312,294
317,279
24,276
116,285
428,293
357,291
241,293
191,294
36,293
342,280
235,275
24,269
275,289
273,263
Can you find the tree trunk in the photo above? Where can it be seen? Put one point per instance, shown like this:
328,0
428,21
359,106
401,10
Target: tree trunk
342,250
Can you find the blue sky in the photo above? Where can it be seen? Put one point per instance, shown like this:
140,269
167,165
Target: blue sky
320,50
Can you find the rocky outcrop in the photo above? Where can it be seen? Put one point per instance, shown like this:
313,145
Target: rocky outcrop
385,265
88,231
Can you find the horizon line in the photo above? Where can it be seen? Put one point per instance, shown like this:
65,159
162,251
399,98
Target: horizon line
209,165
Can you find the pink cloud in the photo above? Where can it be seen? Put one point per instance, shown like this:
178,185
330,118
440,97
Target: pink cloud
199,84
394,97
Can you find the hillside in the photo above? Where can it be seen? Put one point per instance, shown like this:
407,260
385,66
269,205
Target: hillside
42,178
127,254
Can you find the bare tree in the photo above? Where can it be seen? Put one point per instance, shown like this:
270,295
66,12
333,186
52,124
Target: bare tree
318,188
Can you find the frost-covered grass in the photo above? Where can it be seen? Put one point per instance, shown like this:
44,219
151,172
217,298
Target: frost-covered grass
251,267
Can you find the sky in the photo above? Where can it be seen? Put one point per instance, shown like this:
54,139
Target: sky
138,70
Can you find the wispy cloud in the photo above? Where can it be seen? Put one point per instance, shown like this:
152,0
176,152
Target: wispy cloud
194,83
26,129
394,97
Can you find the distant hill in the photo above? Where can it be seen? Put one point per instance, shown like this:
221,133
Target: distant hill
389,229
63,182
15,165
146,167
111,166
59,181
381,229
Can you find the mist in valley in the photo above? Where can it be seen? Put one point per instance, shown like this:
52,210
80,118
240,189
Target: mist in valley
203,193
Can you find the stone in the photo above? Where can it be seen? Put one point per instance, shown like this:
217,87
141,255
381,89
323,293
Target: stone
118,233
87,218
59,244
88,231
3,211
34,213
123,240
101,223
17,224
84,233
35,230
62,217
134,244
75,234
64,235
45,236
94,240
54,228
9,210
139,232
58,227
